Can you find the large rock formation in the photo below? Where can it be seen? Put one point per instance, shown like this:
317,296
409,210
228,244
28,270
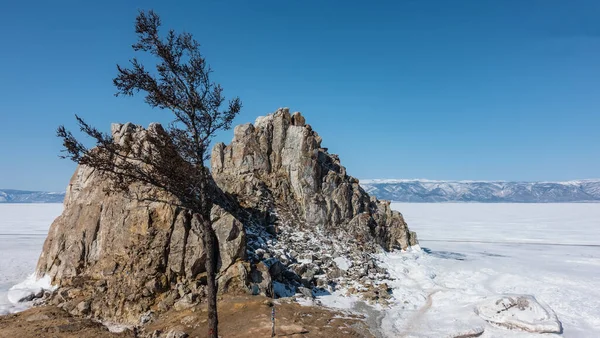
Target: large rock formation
289,219
320,226
282,156
117,256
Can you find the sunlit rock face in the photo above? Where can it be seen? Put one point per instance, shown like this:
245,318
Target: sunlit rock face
287,218
279,161
315,226
122,254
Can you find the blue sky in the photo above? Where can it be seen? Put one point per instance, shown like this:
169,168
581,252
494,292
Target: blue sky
479,90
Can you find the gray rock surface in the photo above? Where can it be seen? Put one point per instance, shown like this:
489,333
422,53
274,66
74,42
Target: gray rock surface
278,164
308,210
285,212
126,254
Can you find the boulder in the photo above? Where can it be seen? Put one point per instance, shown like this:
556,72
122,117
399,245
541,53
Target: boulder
521,312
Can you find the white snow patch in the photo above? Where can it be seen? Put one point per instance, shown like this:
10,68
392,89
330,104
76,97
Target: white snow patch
342,263
416,248
336,299
519,311
29,287
116,328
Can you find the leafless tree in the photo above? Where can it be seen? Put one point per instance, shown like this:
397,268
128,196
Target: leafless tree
174,163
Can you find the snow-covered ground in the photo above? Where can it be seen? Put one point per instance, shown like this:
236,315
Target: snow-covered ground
474,254
23,229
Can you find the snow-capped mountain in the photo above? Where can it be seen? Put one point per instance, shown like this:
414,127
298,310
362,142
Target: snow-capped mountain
483,191
421,190
22,196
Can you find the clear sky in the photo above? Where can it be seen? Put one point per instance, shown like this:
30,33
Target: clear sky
479,90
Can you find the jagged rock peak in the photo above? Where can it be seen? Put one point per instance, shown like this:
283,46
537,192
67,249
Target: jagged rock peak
279,160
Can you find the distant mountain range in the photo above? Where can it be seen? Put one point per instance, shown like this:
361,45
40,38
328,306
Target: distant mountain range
483,191
22,196
419,190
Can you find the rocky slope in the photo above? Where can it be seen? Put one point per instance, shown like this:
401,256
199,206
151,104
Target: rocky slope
484,191
288,220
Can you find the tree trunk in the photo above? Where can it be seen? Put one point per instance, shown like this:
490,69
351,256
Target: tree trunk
210,244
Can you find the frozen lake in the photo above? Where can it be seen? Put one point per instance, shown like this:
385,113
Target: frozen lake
548,223
23,229
473,252
470,252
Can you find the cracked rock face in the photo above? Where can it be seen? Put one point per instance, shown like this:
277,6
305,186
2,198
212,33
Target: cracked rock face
318,226
291,221
127,255
280,160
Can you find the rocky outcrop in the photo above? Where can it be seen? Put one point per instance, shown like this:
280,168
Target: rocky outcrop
310,210
287,217
280,158
121,255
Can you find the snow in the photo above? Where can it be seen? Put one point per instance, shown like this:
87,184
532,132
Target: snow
342,263
23,229
28,288
473,255
336,299
550,224
424,180
116,327
519,311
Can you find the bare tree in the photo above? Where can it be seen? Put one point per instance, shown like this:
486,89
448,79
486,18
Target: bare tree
175,161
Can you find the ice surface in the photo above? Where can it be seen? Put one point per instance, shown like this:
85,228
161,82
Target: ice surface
470,254
28,288
23,229
553,223
519,311
475,253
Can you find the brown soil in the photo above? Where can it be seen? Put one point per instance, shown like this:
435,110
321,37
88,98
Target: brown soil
239,316
51,322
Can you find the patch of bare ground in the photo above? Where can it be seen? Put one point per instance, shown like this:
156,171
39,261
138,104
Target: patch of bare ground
250,316
239,316
52,322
